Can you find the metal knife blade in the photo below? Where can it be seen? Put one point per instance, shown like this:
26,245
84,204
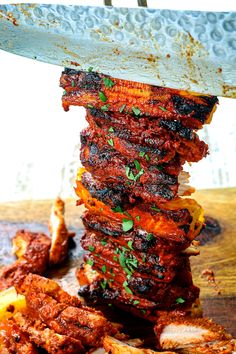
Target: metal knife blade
191,50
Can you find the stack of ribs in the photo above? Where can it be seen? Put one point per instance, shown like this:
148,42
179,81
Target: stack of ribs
140,224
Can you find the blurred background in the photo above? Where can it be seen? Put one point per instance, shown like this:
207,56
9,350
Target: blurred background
39,142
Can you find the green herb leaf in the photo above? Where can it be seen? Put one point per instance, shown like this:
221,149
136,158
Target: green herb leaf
90,69
136,111
150,237
103,242
108,82
104,284
144,311
91,248
180,300
142,153
64,93
90,262
127,214
122,108
101,209
110,142
72,83
141,172
117,209
137,217
122,260
127,224
127,289
102,96
136,302
144,258
147,157
129,173
130,245
137,165
115,258
111,130
104,269
105,107
89,106
110,305
153,207
163,109
160,167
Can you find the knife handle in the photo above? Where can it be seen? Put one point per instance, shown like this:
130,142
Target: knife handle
142,3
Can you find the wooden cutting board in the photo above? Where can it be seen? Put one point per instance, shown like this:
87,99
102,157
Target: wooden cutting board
218,254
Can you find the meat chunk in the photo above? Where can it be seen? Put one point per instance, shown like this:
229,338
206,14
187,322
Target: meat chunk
32,250
118,95
59,233
13,340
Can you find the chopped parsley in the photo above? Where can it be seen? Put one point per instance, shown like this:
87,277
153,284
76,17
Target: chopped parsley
130,245
142,153
136,111
160,167
136,302
102,96
104,268
153,207
72,83
180,300
111,130
127,224
141,172
144,311
137,217
89,106
90,69
122,108
127,289
115,258
91,248
129,173
103,242
137,165
64,92
110,142
147,157
90,262
150,237
108,82
105,107
104,284
163,109
117,209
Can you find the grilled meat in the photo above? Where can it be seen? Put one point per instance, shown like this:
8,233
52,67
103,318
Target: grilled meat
63,313
13,340
59,233
97,90
152,140
193,335
46,338
32,250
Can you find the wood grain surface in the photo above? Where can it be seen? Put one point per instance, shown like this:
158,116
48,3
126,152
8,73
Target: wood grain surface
219,254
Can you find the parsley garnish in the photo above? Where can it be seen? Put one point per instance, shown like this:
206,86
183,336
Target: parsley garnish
136,302
142,153
111,130
141,172
72,83
137,165
163,109
130,245
115,258
90,262
137,217
147,157
153,207
64,92
160,167
122,108
180,300
105,107
127,289
91,248
150,237
117,209
136,111
104,268
108,82
103,242
89,106
90,69
104,284
102,96
127,224
110,142
129,173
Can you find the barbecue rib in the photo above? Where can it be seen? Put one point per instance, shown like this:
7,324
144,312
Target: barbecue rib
138,227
